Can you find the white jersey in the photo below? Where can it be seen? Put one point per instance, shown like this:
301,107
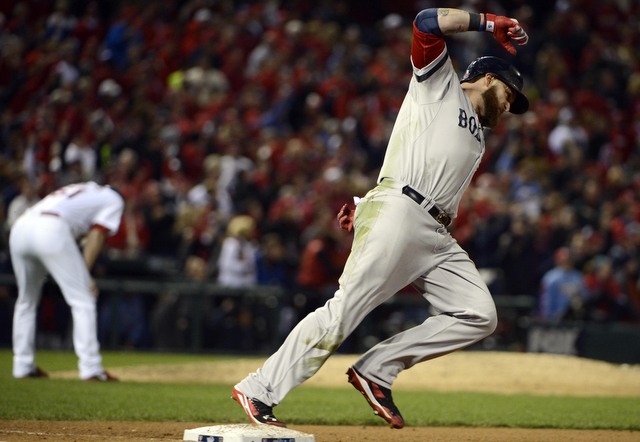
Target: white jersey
437,142
83,206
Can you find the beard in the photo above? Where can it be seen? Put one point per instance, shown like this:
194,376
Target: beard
491,113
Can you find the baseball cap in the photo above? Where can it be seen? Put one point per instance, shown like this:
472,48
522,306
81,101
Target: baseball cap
503,71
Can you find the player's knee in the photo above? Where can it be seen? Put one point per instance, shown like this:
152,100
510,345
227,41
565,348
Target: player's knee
488,321
331,318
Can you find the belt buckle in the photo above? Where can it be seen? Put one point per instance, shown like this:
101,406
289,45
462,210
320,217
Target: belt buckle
443,218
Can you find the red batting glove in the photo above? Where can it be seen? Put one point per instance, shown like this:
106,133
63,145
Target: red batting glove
506,31
345,218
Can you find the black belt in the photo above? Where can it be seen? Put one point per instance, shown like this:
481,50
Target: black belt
439,215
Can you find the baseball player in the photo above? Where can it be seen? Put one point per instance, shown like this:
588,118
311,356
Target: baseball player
44,240
400,226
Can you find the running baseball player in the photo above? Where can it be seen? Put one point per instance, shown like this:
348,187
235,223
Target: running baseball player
400,226
44,240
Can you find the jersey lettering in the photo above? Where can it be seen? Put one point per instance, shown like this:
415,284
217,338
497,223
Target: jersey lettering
470,123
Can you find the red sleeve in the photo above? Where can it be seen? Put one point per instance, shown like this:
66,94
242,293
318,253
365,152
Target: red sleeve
425,47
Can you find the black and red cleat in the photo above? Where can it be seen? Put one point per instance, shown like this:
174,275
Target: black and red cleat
258,412
379,398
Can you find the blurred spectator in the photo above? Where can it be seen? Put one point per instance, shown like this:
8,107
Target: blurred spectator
520,258
201,230
568,137
272,265
208,191
121,39
82,152
60,24
207,85
320,266
589,205
563,294
132,238
238,254
171,319
606,299
232,164
159,217
27,197
526,190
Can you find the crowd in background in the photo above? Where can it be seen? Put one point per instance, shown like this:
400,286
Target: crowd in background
236,129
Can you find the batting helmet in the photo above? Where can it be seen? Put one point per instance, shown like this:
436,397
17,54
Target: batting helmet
505,72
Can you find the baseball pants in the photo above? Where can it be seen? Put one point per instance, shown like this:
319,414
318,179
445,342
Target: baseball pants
42,244
396,243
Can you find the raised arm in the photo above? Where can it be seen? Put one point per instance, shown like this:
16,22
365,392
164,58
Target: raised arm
447,21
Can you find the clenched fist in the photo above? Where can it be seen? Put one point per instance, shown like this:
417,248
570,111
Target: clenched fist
345,218
506,31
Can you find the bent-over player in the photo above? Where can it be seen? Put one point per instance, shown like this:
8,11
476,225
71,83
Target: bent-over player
400,226
44,240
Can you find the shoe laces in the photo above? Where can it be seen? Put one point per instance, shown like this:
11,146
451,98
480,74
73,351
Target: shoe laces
383,395
264,410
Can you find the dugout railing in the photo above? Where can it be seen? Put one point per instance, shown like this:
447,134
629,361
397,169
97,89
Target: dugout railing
202,315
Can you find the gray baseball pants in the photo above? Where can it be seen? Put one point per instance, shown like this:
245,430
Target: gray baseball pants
396,243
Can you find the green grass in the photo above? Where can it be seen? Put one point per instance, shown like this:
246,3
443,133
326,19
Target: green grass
56,399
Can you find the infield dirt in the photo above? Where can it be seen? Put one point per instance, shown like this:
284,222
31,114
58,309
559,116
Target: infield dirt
73,431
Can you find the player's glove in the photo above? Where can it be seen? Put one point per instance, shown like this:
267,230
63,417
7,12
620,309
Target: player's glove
506,31
345,218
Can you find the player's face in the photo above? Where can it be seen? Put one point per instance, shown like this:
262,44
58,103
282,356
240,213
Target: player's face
497,99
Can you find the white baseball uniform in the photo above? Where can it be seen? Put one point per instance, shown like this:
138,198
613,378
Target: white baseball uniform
434,150
44,240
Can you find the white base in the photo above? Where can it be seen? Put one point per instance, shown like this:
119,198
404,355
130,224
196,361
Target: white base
246,433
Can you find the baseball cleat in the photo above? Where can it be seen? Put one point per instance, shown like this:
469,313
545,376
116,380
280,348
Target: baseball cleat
379,398
258,412
105,376
35,373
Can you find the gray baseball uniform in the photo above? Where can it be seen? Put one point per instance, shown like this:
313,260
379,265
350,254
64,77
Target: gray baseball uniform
44,240
434,149
400,226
